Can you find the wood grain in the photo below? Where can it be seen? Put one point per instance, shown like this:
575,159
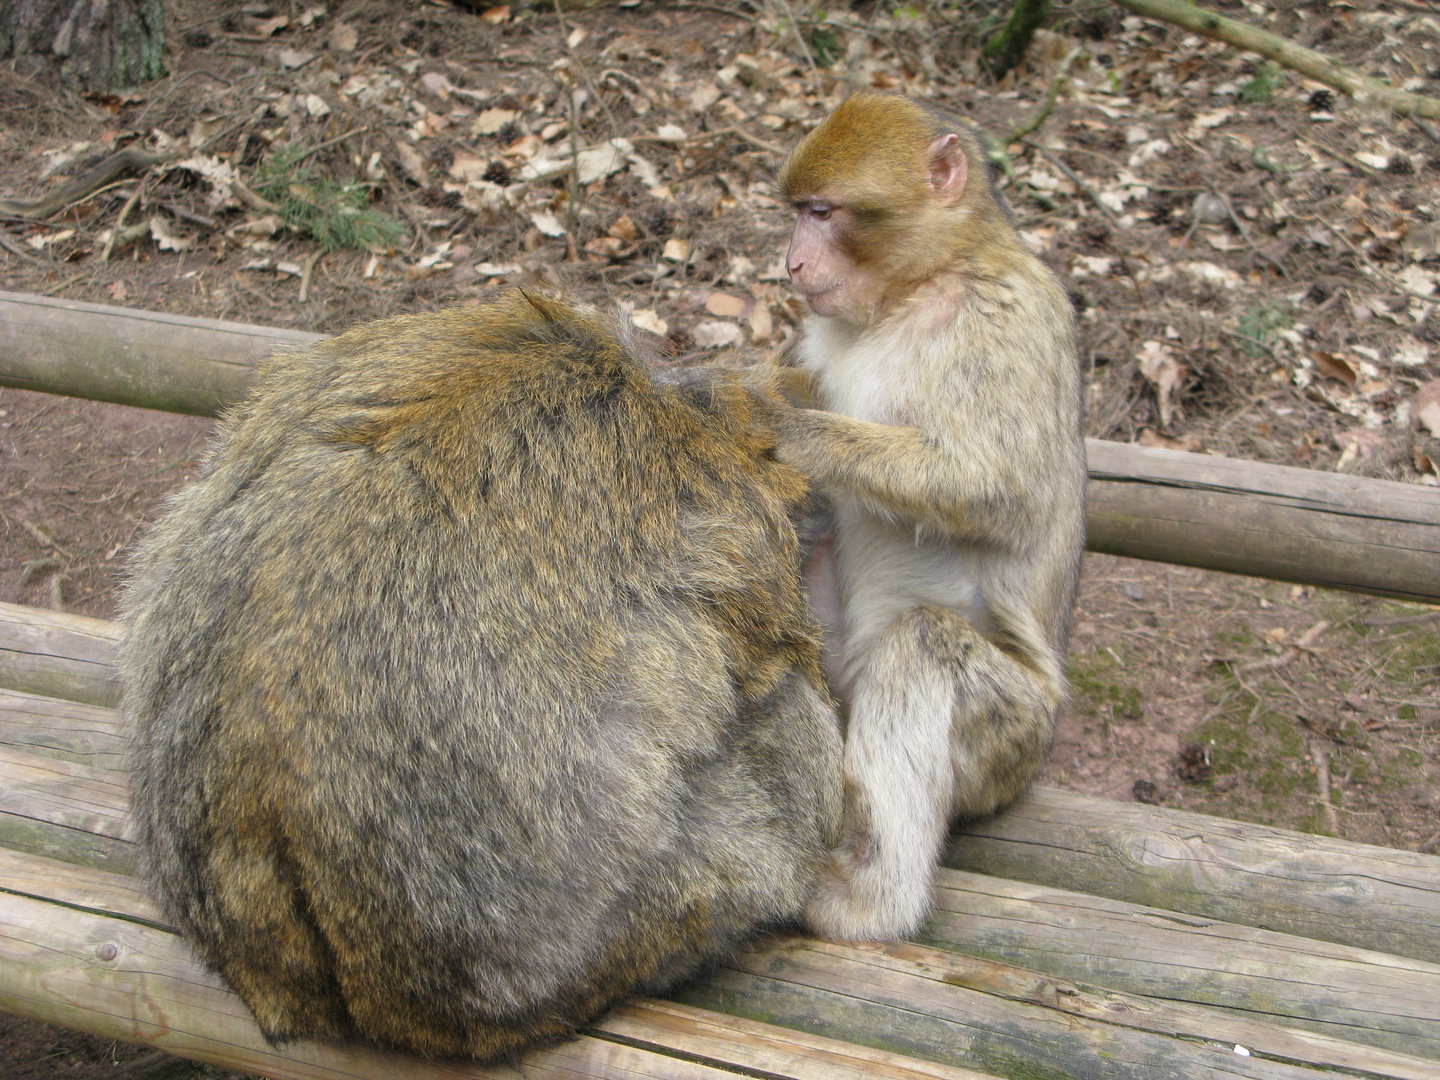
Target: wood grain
130,981
58,655
1352,994
1375,898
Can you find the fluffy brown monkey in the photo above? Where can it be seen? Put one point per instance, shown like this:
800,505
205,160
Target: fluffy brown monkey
947,435
473,684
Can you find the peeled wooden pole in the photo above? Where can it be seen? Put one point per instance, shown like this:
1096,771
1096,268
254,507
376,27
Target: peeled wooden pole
1191,509
145,358
1246,517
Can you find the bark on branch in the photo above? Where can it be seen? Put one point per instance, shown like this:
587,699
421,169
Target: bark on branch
1307,62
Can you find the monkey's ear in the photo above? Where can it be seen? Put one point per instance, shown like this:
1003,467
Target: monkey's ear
948,168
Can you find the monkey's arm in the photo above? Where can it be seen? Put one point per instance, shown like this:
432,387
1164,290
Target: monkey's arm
903,473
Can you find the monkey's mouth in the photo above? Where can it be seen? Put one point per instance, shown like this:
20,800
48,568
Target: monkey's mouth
812,293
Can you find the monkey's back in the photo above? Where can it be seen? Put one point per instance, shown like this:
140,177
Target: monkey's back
473,685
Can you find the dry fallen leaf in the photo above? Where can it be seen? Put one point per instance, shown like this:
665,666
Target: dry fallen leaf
496,14
714,335
344,37
1189,443
725,305
165,239
1158,364
1410,352
761,324
1357,445
294,58
646,319
268,27
1337,367
1428,417
608,247
676,249
624,229
548,224
703,96
413,163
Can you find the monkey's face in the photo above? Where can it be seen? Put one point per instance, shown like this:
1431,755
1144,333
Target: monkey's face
822,264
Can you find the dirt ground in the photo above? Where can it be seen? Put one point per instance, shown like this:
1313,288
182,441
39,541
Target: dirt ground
1253,259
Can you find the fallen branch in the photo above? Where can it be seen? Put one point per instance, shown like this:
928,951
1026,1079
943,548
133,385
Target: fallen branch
72,191
1307,62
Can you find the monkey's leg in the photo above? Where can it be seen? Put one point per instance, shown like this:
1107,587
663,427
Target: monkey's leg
942,723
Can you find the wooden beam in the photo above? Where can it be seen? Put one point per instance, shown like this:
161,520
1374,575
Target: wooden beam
1246,517
68,730
1350,994
1311,886
118,974
78,959
1192,509
131,357
58,655
1381,899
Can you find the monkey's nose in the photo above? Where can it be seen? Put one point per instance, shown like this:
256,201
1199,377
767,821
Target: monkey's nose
794,268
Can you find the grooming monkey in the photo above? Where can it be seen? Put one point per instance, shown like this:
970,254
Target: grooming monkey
941,362
473,684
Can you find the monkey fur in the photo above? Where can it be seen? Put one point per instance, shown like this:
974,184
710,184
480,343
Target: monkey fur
946,433
473,684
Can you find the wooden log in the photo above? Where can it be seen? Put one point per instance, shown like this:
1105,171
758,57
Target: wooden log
950,1008
982,1015
1192,509
131,357
1311,886
128,980
1300,525
82,887
73,813
1349,994
58,655
69,730
1352,994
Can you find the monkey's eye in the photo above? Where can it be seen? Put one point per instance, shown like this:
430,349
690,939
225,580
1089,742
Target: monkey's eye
820,212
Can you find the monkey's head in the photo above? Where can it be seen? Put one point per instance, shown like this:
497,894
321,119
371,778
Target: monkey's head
888,193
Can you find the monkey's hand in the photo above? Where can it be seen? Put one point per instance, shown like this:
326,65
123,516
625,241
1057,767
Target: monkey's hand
782,383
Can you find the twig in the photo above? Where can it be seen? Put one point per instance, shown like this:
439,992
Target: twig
693,6
1252,340
1322,785
18,251
120,221
173,87
1062,77
189,215
589,83
306,270
1074,178
55,290
1349,163
84,186
804,48
778,151
328,142
1403,620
